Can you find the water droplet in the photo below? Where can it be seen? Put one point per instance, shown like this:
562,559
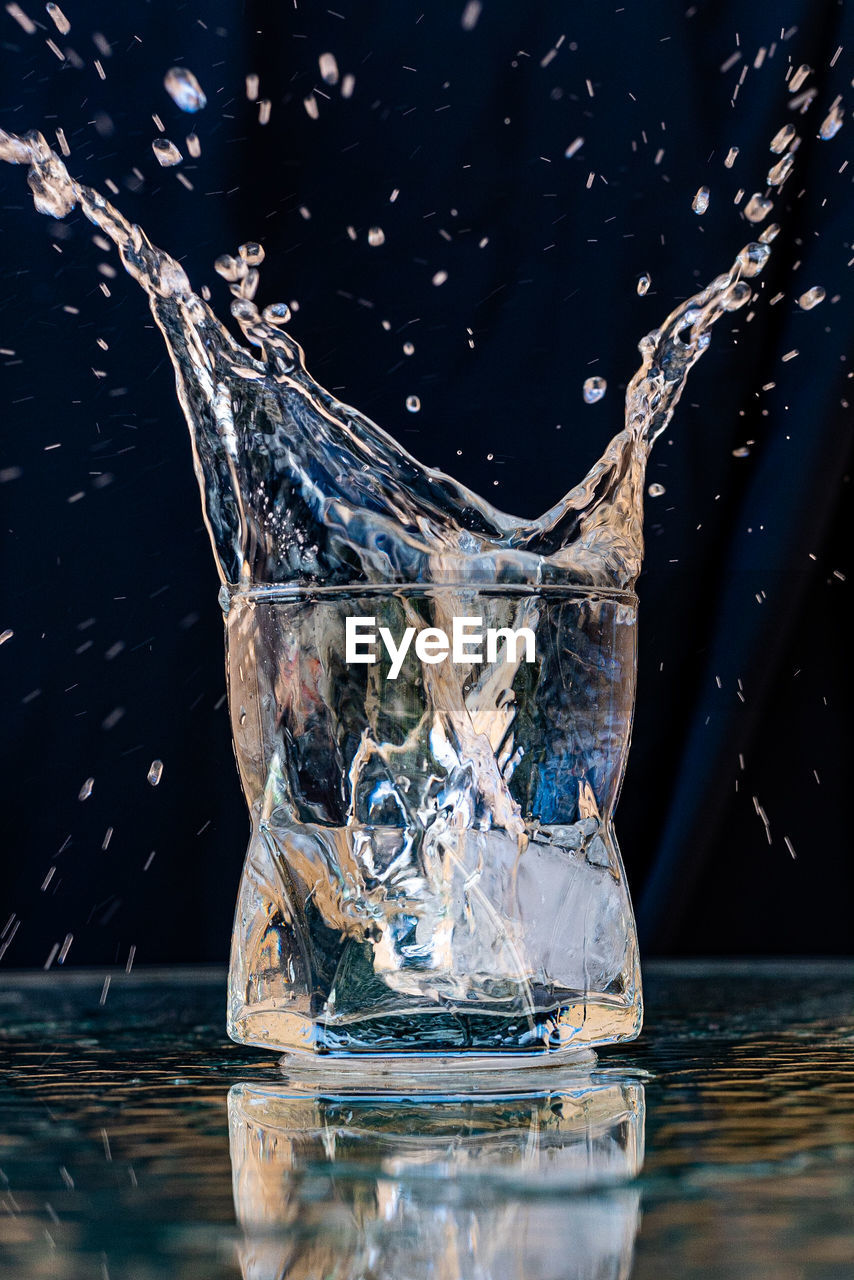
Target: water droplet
752,258
328,68
656,490
471,13
736,296
770,233
229,268
155,772
757,208
413,404
277,313
252,83
252,253
376,236
440,277
184,89
731,157
408,348
574,146
594,389
799,77
779,172
348,84
166,152
86,790
643,284
743,452
811,298
782,138
194,146
60,21
832,122
700,203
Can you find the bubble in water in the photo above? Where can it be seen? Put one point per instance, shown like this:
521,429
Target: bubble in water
782,138
409,348
757,208
799,77
832,122
594,389
779,172
184,89
752,258
700,203
155,772
656,490
86,790
731,157
413,404
166,152
811,298
328,68
643,284
60,21
376,236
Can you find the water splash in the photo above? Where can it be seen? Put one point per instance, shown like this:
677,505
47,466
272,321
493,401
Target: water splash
300,489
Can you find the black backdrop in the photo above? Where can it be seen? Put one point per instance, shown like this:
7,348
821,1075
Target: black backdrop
109,587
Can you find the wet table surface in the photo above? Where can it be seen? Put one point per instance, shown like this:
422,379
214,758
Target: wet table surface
136,1141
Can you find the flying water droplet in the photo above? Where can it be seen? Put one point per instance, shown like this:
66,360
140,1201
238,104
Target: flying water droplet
643,284
742,452
770,233
86,790
277,313
731,157
832,122
328,68
60,21
811,298
413,404
779,172
656,490
194,147
782,138
574,146
700,203
184,89
155,772
166,153
409,348
594,389
799,77
376,237
251,253
752,258
757,208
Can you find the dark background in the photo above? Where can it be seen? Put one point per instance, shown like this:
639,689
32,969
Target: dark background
116,659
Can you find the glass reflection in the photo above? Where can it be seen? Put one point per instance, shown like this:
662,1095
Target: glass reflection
467,1188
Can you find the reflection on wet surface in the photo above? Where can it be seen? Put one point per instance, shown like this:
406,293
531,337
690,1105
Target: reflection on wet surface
135,1141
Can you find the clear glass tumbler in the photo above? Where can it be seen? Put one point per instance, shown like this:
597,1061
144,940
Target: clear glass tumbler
432,869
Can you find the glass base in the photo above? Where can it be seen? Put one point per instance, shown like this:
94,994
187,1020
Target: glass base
459,1036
